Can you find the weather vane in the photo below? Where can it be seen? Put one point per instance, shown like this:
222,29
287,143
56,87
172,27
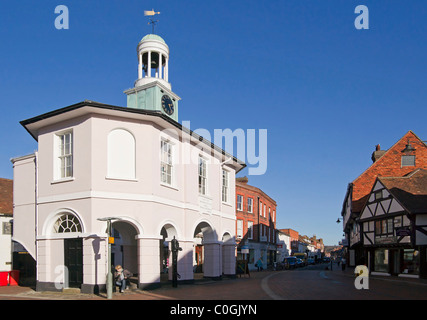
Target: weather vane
152,22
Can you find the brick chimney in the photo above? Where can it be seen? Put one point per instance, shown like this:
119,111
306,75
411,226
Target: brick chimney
378,153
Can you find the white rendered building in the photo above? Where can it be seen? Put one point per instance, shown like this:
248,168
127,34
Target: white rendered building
135,164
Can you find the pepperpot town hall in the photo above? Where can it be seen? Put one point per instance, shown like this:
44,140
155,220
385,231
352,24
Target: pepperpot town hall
97,161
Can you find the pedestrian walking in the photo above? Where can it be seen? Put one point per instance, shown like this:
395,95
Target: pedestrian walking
343,263
259,264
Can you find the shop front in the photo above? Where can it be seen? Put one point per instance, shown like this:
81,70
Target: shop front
402,262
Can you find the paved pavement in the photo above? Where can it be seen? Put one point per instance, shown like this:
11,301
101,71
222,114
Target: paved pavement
311,283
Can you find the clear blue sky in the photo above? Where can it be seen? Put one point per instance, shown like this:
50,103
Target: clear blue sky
326,92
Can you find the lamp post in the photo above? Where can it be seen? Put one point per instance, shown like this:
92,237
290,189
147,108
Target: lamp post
110,241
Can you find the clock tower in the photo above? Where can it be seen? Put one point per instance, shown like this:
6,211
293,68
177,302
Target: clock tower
152,90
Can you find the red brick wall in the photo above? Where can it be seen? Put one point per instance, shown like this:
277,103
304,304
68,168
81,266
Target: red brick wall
262,225
390,164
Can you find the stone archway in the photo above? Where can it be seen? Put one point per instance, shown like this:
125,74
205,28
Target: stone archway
207,250
124,251
167,233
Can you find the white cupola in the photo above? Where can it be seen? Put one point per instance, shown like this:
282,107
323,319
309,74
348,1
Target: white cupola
152,90
153,57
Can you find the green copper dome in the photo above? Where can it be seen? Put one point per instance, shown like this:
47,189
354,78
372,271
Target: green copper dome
153,37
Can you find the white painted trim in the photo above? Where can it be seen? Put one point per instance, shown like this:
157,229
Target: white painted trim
408,276
374,273
145,237
70,235
121,179
68,179
130,197
47,228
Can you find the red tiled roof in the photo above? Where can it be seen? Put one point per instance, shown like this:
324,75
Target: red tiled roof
6,196
410,190
388,165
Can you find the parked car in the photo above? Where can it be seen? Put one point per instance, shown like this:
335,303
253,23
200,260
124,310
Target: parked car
326,259
300,263
290,262
310,261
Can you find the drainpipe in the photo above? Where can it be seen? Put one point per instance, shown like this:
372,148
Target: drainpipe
259,227
36,217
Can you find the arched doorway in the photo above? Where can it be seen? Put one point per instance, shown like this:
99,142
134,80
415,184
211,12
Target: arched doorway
207,262
124,251
167,233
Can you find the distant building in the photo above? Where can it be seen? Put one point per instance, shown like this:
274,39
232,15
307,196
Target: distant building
255,224
294,240
283,245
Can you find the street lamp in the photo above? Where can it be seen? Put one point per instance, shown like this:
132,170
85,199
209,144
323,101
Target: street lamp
338,221
110,241
409,148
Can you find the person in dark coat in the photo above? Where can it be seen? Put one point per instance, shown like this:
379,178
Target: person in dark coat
121,275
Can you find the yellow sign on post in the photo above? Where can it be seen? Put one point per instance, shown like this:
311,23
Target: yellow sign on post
111,240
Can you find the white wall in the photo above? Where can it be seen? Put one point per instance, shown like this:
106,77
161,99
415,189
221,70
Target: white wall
5,246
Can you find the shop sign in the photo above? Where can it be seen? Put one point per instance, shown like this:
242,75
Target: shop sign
387,240
403,231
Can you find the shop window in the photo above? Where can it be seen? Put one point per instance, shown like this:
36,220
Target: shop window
381,260
411,261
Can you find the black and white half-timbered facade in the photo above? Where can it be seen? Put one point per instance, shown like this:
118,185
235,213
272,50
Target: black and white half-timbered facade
393,225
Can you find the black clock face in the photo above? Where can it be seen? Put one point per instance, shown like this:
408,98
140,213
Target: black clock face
167,105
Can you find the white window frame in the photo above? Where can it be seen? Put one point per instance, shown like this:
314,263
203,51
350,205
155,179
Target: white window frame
239,229
167,160
203,176
64,158
251,206
239,207
225,186
250,230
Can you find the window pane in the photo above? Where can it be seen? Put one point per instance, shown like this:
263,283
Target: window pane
408,161
166,163
202,176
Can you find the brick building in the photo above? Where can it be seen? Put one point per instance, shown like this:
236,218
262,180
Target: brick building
255,224
294,239
406,155
6,211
